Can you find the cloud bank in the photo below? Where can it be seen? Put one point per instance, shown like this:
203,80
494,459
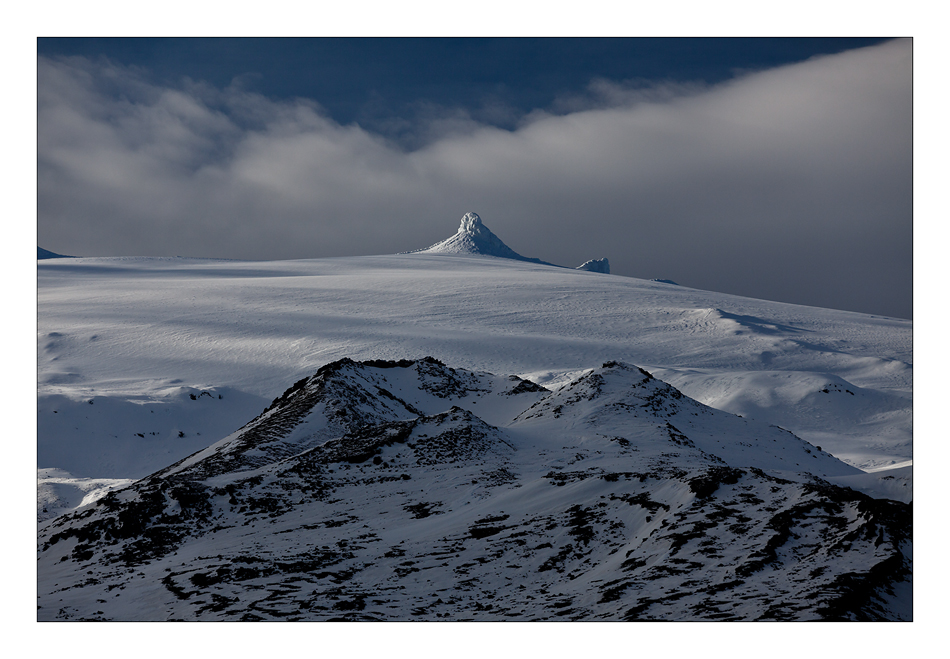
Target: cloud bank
790,184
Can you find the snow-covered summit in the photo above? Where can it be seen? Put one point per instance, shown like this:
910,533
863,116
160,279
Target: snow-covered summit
473,237
414,490
472,223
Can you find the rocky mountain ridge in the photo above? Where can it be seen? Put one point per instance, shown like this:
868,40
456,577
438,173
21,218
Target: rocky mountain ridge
410,490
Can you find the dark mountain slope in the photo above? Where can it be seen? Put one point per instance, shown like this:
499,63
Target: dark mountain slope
414,491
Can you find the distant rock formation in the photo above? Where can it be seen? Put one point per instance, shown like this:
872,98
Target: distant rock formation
46,254
596,265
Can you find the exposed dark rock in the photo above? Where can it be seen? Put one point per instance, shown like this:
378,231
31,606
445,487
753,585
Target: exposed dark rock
343,501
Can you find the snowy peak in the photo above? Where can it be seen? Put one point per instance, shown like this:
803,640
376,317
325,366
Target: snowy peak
345,398
473,237
472,223
623,501
357,400
622,400
615,388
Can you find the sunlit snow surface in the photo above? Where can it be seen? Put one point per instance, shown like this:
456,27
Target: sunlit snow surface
139,336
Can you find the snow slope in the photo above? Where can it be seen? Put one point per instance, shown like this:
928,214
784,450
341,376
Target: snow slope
412,490
59,491
139,336
597,448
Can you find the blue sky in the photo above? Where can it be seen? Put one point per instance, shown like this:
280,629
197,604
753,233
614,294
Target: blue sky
773,168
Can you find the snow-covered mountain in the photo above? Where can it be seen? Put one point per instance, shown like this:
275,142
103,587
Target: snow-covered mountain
142,361
474,238
163,376
412,490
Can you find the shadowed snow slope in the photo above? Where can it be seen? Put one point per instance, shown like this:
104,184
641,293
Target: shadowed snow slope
413,490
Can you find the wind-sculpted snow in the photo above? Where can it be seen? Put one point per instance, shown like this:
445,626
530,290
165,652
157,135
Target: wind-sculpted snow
411,490
596,265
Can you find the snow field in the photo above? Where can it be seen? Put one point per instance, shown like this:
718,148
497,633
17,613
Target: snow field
138,336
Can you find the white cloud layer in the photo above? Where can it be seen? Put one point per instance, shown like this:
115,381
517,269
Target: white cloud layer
792,184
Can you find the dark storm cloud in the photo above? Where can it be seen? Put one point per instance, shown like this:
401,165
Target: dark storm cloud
792,183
